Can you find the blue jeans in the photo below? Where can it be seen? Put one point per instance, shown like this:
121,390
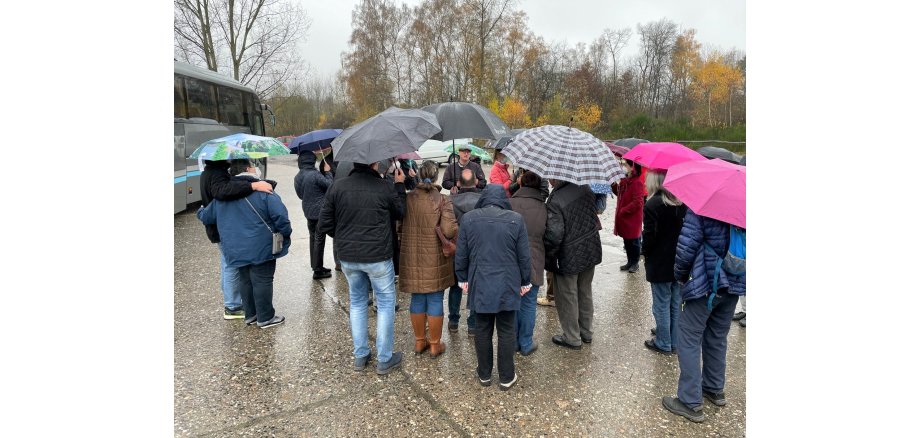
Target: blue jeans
382,277
256,288
454,296
666,308
431,303
526,318
229,280
702,330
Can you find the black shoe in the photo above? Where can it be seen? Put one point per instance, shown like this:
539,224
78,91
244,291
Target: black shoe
485,382
739,316
560,340
634,268
586,339
361,362
325,270
624,267
717,398
654,331
677,407
507,386
533,348
386,368
278,319
650,344
317,275
452,326
251,321
743,322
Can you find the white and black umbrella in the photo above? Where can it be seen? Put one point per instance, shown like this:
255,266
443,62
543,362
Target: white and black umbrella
393,132
566,154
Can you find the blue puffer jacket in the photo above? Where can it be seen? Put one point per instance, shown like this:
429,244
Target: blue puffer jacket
695,264
244,238
493,254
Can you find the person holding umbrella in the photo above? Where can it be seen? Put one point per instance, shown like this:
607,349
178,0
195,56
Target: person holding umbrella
627,222
452,174
311,187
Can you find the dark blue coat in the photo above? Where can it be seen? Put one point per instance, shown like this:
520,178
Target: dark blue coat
311,185
694,265
493,254
244,238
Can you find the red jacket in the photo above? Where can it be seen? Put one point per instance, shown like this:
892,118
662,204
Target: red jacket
499,175
630,201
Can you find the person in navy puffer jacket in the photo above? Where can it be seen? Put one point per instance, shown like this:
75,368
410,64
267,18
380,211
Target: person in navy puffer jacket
704,324
311,186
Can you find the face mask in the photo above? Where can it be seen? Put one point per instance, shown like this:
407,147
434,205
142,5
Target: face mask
258,173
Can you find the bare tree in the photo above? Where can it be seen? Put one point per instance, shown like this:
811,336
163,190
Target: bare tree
657,41
257,39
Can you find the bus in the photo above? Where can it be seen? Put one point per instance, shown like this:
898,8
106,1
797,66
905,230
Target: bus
208,105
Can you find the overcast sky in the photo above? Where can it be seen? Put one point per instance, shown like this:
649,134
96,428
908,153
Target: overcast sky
719,23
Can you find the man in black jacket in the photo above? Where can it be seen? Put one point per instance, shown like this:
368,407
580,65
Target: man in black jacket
452,174
358,214
311,186
573,248
216,184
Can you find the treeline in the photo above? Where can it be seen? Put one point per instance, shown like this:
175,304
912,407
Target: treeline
483,51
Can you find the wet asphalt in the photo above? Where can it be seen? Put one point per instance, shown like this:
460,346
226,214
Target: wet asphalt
296,379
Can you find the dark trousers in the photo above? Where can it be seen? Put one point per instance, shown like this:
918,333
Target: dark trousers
701,330
633,249
454,297
550,290
256,289
317,245
506,323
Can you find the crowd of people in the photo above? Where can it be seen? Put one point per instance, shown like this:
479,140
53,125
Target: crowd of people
394,228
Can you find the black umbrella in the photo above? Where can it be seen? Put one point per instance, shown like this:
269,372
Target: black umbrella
629,142
505,139
388,134
713,152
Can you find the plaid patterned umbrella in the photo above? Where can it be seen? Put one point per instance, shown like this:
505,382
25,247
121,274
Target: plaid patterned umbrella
566,154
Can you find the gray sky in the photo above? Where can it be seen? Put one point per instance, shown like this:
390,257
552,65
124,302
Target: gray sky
719,23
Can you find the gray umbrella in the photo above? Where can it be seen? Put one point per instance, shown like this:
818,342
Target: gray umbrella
388,134
713,152
505,139
629,142
466,120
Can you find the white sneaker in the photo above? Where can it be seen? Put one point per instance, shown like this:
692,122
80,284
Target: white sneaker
507,386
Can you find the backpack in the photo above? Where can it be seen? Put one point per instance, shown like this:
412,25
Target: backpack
734,260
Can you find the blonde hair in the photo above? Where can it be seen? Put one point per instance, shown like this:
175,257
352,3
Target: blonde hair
653,184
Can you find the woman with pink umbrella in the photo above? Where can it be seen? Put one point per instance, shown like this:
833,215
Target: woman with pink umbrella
710,268
627,221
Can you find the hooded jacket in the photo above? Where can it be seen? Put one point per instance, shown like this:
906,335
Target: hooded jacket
694,265
464,201
311,185
359,213
493,254
216,184
529,203
661,227
245,239
572,239
422,265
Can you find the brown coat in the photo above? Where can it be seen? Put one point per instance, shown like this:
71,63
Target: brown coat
529,203
422,266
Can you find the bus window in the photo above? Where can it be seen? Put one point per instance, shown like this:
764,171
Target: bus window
231,106
202,101
180,109
257,127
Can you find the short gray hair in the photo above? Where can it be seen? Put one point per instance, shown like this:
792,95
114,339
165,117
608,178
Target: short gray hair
653,184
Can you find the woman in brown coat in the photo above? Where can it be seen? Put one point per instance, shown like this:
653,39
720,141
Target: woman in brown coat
424,271
529,202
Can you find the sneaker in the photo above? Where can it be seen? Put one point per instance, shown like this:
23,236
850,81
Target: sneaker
278,319
361,362
452,326
743,322
739,316
624,267
543,301
388,367
317,275
634,268
485,382
674,405
650,344
533,348
251,321
560,340
507,386
234,313
717,398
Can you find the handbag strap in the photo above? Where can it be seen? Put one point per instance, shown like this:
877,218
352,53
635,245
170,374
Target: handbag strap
259,215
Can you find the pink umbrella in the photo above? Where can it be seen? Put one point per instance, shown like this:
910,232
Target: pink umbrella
712,188
409,156
662,155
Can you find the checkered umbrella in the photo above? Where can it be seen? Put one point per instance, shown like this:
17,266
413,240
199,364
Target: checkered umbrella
566,154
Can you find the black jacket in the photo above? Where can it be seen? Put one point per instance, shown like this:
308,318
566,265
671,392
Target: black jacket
464,201
661,226
359,213
311,185
452,175
216,184
572,239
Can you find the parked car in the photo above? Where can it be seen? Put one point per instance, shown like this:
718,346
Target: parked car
437,150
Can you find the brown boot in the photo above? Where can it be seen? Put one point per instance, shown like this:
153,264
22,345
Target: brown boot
435,325
418,326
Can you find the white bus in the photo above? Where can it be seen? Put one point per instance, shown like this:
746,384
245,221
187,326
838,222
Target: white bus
208,105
